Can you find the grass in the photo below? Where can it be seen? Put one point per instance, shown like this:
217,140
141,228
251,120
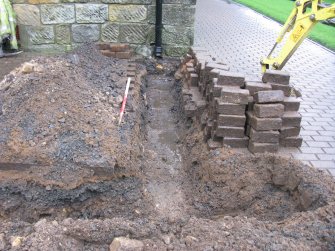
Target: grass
279,10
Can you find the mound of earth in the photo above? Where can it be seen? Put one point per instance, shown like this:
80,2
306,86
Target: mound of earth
65,109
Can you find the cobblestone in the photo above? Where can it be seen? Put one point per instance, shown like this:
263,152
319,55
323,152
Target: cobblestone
239,36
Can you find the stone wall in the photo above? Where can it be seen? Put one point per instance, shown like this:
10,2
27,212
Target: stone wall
61,25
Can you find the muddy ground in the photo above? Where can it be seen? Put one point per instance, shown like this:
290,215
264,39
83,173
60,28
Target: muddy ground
72,179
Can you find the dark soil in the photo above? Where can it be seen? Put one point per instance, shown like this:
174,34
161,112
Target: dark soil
72,179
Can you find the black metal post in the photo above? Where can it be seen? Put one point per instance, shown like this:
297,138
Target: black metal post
158,29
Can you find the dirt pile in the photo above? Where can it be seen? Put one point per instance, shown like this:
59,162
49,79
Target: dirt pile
62,153
65,109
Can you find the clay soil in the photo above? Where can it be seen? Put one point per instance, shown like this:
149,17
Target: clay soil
71,178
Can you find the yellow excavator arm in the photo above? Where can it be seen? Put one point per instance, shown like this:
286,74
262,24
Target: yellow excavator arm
302,19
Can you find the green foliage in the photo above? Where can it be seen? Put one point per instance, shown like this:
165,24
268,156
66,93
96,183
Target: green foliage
279,10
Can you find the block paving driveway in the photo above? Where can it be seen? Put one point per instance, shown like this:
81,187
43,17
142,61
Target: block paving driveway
241,37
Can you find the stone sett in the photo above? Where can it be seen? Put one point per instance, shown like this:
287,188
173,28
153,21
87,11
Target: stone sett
264,97
264,136
268,110
231,120
276,76
234,95
262,147
264,124
254,87
229,108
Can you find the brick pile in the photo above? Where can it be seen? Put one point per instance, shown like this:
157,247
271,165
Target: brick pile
239,111
291,118
121,51
264,121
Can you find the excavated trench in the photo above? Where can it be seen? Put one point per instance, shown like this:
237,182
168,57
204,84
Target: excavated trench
180,187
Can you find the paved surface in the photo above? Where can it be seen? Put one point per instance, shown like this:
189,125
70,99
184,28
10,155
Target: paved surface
240,37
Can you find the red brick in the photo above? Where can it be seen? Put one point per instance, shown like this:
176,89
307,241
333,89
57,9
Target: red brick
107,53
119,47
103,46
124,55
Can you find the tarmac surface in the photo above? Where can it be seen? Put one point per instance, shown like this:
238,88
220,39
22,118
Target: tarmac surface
241,37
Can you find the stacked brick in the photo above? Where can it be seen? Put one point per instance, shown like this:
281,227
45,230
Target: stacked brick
239,111
121,51
291,118
264,121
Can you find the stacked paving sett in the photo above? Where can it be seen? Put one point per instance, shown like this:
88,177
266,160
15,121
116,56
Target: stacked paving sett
291,118
236,110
